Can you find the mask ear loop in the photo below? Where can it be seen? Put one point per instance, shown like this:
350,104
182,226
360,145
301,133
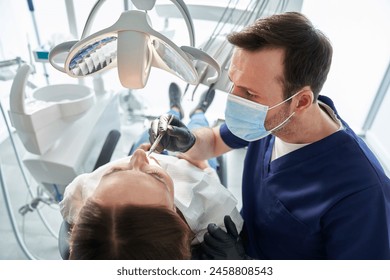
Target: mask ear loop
292,96
231,89
282,123
286,120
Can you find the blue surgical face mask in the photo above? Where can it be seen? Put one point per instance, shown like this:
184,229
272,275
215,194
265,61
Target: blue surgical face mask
245,118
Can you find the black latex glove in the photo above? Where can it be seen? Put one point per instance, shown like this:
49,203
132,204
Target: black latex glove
177,137
221,245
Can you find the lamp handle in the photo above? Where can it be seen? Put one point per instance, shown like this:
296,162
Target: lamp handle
61,48
197,54
17,94
148,5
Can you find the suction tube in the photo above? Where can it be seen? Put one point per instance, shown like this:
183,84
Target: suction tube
8,201
12,217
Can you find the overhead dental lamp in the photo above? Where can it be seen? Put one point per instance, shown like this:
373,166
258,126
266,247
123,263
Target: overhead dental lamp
132,45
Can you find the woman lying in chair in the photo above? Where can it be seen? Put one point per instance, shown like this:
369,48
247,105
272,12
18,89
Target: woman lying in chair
144,207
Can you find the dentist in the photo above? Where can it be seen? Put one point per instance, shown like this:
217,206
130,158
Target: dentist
311,188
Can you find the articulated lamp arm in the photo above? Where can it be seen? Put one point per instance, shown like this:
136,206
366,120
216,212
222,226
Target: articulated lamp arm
144,5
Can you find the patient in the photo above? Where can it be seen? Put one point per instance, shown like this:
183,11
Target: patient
143,207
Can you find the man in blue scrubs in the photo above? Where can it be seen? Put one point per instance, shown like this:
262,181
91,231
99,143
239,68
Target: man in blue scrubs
312,189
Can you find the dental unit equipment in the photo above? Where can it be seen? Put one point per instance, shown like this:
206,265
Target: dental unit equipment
132,45
230,17
63,128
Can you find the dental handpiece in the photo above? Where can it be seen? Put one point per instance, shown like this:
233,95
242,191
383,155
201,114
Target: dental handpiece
158,138
155,143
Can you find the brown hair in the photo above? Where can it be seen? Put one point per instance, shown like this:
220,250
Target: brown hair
308,52
129,232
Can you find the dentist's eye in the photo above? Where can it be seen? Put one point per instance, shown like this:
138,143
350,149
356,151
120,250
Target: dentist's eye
249,95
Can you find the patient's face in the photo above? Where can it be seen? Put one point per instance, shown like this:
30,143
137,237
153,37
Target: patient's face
141,181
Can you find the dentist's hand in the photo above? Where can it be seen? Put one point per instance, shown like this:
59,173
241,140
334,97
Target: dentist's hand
177,137
221,245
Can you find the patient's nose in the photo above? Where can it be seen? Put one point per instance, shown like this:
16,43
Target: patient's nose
138,159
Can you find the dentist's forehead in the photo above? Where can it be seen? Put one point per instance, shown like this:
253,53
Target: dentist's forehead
233,64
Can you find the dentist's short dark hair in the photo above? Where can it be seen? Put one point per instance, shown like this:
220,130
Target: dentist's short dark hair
308,52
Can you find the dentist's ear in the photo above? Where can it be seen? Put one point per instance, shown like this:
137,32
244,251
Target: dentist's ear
304,100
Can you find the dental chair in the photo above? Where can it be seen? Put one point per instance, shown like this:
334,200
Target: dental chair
66,130
63,240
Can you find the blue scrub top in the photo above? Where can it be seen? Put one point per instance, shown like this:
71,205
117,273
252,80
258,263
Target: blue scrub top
327,200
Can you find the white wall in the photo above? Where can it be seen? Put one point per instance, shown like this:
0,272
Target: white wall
378,137
360,34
